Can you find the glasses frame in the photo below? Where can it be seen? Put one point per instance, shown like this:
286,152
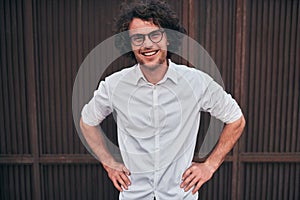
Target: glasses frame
148,35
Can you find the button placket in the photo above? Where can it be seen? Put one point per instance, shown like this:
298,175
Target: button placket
156,133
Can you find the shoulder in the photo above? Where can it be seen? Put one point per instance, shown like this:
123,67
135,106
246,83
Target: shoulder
111,81
121,73
191,74
117,76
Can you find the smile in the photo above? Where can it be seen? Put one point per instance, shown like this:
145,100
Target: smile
150,53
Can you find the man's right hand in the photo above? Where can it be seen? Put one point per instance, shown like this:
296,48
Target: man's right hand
119,175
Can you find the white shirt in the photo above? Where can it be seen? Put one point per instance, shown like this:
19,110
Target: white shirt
158,124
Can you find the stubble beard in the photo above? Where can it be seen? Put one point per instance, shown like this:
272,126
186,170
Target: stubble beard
153,66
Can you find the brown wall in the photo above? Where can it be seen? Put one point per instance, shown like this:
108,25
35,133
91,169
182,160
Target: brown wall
255,44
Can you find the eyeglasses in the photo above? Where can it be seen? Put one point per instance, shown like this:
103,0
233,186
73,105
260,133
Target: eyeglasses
155,36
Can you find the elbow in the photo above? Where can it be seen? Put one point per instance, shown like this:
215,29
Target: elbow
241,125
243,122
237,127
82,125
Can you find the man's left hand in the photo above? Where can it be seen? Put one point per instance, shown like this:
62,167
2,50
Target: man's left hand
195,176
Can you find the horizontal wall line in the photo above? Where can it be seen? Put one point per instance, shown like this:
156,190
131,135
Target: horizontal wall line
82,159
63,159
48,159
270,157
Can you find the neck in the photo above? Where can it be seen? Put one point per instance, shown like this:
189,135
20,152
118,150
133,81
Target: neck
154,74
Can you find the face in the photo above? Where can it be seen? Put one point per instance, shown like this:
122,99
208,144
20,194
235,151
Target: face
148,54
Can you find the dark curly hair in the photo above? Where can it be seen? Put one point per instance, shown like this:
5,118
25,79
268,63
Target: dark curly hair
158,12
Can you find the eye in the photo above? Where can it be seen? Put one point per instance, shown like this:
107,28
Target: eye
138,38
155,35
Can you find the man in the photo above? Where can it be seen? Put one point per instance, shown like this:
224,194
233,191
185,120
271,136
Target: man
157,104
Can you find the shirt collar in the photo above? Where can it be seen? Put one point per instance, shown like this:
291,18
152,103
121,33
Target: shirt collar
170,74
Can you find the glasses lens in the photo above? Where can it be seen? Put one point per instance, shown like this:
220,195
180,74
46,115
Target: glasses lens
137,39
156,36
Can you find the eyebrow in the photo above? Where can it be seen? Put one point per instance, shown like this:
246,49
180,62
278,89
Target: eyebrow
144,34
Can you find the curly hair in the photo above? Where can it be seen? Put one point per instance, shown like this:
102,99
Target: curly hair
159,13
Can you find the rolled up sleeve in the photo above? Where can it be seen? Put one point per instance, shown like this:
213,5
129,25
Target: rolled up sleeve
99,107
220,104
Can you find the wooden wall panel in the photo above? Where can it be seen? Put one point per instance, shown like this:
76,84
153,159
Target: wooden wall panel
270,181
272,76
16,182
215,31
76,182
57,43
15,136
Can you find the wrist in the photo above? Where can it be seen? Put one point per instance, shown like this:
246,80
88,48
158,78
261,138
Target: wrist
108,164
105,166
212,165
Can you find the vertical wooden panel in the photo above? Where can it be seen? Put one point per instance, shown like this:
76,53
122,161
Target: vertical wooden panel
16,182
215,31
271,181
272,111
57,51
84,182
273,85
15,138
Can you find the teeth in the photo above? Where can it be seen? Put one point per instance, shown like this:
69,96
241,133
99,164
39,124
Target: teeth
150,53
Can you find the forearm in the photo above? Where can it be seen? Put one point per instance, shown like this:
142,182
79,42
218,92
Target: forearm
116,171
96,142
229,136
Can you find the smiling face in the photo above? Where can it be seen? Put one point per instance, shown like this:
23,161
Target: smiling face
148,54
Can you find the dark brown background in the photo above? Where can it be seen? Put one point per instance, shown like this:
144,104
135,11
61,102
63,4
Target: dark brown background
255,44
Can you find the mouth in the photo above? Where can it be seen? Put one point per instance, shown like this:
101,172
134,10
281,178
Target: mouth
150,53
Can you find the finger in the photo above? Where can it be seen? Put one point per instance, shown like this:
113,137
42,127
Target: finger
126,171
125,179
198,186
186,173
116,184
122,183
187,180
191,184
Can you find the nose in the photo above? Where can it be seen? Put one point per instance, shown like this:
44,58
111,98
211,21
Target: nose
147,42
